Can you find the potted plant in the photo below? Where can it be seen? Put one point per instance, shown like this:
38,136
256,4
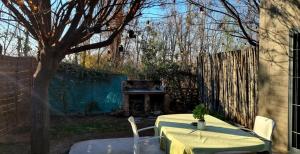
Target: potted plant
198,113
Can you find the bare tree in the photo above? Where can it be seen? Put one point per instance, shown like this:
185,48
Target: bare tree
7,37
26,46
244,15
183,33
1,48
59,26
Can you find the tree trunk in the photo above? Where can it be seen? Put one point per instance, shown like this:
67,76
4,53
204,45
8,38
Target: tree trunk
40,114
1,48
47,65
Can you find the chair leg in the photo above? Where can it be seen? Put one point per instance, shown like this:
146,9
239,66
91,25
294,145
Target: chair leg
136,149
270,148
270,151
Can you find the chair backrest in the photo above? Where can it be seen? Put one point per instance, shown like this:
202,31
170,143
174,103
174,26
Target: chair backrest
133,126
136,149
264,127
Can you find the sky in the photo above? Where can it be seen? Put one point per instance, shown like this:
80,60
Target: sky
158,13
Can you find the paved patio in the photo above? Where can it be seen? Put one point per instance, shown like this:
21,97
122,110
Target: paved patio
113,146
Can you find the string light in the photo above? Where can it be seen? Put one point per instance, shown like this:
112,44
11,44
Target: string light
201,9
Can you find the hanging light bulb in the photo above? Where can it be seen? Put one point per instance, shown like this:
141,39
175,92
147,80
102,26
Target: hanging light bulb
121,48
148,26
148,23
201,9
131,34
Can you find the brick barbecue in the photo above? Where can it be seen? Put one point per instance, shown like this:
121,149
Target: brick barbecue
143,97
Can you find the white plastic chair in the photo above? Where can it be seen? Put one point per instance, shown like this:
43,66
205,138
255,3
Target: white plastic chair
263,129
144,145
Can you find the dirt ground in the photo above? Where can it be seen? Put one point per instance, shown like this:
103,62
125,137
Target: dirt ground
65,131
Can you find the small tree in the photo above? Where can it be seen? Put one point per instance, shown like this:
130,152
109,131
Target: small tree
59,27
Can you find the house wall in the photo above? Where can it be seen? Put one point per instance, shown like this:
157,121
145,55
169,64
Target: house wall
277,18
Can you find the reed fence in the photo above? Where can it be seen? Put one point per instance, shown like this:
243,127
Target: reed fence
15,92
227,84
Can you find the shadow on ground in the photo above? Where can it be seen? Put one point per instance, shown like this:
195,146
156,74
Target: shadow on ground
65,131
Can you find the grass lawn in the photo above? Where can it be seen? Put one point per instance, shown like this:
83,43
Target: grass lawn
66,131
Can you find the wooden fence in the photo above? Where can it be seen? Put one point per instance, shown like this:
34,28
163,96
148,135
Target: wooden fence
15,92
228,84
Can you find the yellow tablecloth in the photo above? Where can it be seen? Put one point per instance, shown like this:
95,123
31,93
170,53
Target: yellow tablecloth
180,137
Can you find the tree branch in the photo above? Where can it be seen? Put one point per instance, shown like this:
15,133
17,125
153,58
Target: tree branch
130,15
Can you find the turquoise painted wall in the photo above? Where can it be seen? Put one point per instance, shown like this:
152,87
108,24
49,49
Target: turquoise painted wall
73,96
